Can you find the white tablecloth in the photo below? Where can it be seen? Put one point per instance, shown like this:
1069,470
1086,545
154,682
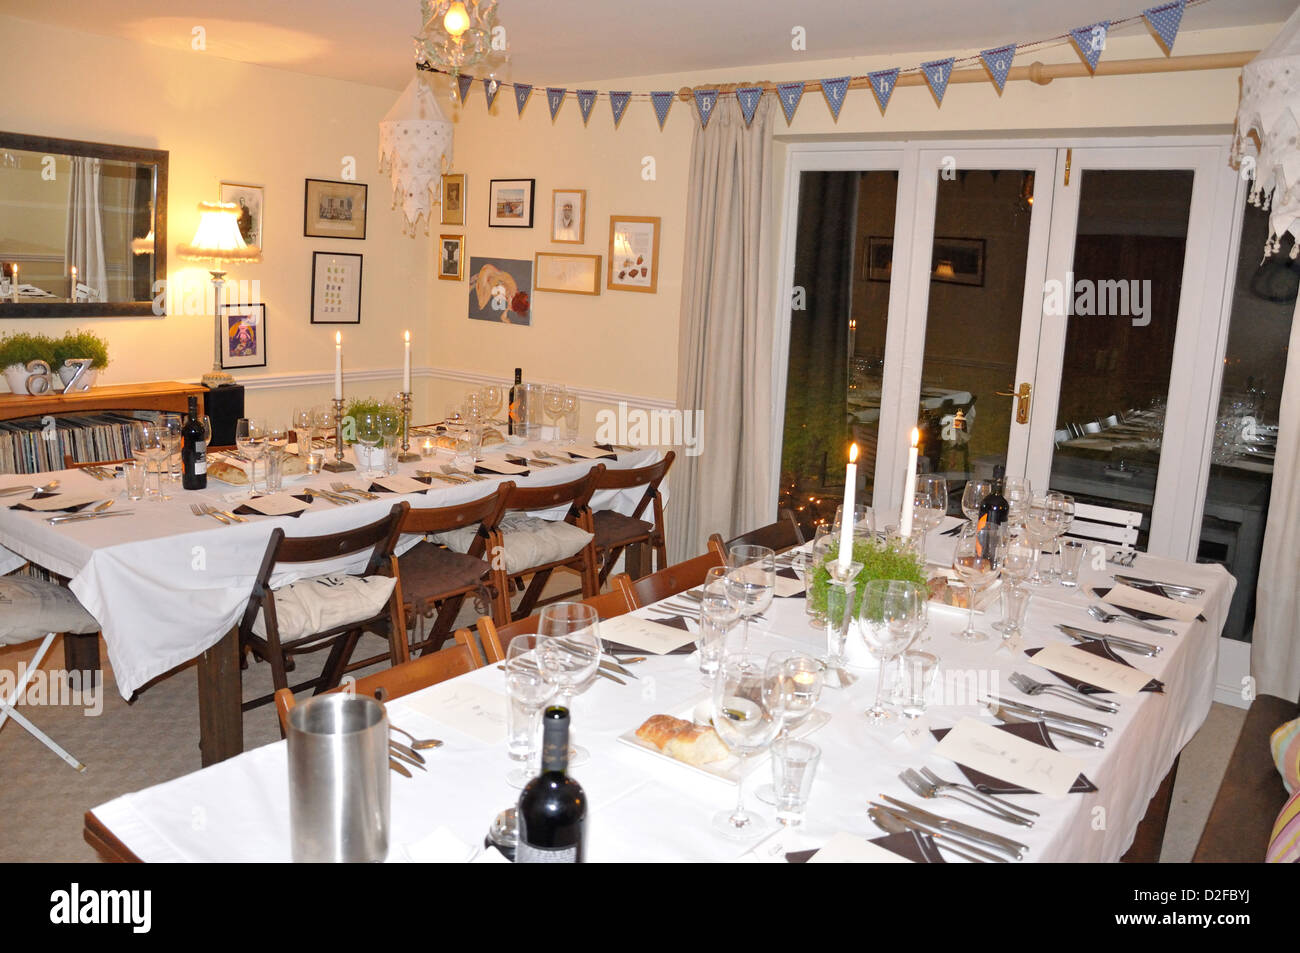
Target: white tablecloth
645,809
165,585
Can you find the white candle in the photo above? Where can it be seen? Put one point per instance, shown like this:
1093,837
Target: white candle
909,487
406,367
13,282
846,514
338,365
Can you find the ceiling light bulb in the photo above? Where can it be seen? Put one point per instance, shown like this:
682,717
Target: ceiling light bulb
456,21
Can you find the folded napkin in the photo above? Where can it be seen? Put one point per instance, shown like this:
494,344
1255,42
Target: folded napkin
608,455
376,488
1102,650
245,510
916,846
516,467
74,508
1035,732
1139,613
673,622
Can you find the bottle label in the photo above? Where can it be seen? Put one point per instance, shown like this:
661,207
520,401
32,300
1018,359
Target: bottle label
528,854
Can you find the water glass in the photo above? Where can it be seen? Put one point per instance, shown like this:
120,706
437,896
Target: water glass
919,669
274,471
794,765
134,473
390,454
1071,557
1015,600
572,406
891,616
751,582
717,616
528,690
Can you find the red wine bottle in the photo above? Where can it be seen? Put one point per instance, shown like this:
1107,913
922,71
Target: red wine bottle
994,510
515,409
552,808
194,451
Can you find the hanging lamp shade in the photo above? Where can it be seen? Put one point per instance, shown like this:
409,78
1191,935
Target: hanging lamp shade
1267,143
415,148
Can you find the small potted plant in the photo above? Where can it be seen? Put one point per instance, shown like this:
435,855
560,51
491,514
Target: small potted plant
19,350
80,345
880,560
366,422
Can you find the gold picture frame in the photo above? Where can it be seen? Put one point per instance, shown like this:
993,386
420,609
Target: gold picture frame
452,192
569,216
633,253
451,257
567,274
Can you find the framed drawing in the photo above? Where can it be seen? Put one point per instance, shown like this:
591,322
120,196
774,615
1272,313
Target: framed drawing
252,204
633,253
569,216
335,288
453,198
501,290
567,274
334,209
451,257
510,203
244,335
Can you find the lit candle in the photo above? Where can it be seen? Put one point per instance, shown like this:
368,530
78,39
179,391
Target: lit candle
73,295
406,367
427,450
13,282
909,488
338,365
846,517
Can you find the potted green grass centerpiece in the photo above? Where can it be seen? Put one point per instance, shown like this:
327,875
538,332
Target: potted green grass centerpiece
366,440
880,560
80,345
19,350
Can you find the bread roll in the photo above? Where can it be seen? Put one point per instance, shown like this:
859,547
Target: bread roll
683,740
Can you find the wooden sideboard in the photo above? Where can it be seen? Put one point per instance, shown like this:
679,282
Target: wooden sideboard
171,396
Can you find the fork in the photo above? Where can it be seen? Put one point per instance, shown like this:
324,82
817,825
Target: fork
346,488
1101,615
335,498
213,511
1031,687
198,510
928,789
450,470
993,799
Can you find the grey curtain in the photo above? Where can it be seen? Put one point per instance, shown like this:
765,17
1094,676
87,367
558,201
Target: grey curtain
85,234
727,331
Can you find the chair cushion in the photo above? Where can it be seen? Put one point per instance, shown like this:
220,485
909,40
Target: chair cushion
615,529
528,541
325,602
1284,845
1285,745
429,571
33,608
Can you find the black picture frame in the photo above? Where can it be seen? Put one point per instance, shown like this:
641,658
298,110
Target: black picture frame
231,362
496,220
319,226
321,316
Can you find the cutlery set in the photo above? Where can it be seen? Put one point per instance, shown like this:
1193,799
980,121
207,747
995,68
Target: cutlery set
100,473
221,516
1102,615
400,755
28,488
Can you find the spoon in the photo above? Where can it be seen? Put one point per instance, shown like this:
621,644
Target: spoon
47,488
420,744
103,506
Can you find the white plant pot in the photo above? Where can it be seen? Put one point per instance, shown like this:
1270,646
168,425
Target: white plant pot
87,380
16,377
369,458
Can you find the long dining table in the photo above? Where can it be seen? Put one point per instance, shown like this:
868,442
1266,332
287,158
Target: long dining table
645,807
168,586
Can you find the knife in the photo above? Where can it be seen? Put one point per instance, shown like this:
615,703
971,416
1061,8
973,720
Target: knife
1190,592
394,753
892,823
103,506
1014,849
1069,721
81,517
614,666
1127,645
1011,718
406,750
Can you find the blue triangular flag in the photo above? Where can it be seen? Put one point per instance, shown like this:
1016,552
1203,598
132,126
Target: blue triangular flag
1165,20
705,100
936,74
1091,40
999,62
618,103
789,94
663,100
835,90
522,92
586,99
490,89
464,82
882,84
554,97
748,97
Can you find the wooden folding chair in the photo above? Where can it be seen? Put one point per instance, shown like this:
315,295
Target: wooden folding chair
616,532
668,582
779,536
496,639
1105,524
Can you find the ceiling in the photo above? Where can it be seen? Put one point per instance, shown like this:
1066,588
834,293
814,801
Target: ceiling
369,41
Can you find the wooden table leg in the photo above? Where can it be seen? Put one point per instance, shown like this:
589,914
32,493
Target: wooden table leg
81,654
221,719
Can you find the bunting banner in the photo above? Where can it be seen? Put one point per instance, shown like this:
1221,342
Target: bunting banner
618,104
663,101
1091,40
1165,20
586,99
882,84
748,97
835,90
790,94
554,99
491,86
464,83
705,100
522,92
936,73
998,63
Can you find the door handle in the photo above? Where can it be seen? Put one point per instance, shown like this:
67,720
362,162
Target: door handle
1022,401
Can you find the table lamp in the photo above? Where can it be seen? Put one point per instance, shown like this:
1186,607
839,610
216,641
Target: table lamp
218,240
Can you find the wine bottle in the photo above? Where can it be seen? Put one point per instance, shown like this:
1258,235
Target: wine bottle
194,451
552,808
514,414
994,510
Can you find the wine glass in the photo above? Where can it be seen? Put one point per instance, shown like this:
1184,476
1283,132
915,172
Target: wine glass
370,434
1014,561
302,423
746,724
751,582
572,406
822,546
568,653
250,438
1045,519
864,522
1018,493
529,690
793,682
717,616
972,496
147,447
553,404
473,408
973,561
1061,510
277,439
929,504
890,617
493,394
171,425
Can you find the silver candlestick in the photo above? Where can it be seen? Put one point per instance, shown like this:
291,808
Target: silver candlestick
339,465
406,456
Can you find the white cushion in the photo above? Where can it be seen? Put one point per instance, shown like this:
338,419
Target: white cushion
313,605
528,541
32,609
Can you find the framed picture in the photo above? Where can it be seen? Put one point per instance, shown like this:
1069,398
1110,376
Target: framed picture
453,198
252,204
878,261
335,288
335,209
633,253
569,216
243,335
567,274
451,257
510,203
501,290
954,261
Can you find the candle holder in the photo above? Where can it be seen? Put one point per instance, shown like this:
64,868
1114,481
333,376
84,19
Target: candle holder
839,611
339,465
406,456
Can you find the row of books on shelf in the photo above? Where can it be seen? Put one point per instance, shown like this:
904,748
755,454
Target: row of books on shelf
37,445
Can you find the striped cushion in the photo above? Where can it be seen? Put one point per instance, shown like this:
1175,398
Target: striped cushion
1285,744
1284,845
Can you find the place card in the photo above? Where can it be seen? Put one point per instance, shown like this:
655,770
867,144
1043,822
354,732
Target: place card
1071,662
984,748
644,635
786,587
1129,598
591,453
845,848
500,466
60,501
277,504
399,484
470,709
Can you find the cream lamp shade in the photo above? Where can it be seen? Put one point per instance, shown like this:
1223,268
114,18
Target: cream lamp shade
217,237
